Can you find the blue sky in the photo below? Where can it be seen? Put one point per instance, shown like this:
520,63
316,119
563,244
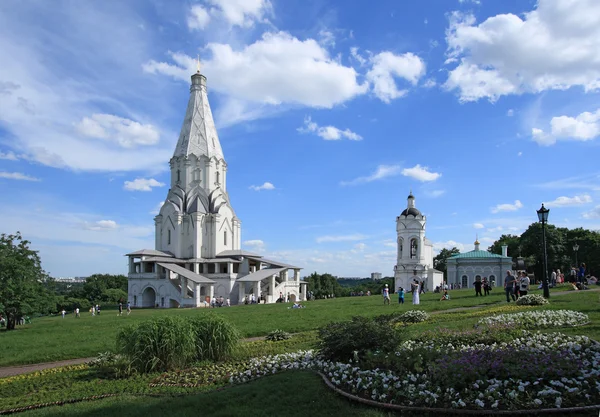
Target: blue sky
328,112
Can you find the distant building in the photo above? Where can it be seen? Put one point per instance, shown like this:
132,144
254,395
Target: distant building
466,268
375,275
415,251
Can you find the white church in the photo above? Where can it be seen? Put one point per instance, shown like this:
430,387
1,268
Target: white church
415,251
197,255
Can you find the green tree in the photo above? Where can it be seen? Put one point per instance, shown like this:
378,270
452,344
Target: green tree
22,280
440,260
512,241
96,286
324,285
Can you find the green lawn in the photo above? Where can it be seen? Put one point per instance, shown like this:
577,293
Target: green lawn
286,394
53,338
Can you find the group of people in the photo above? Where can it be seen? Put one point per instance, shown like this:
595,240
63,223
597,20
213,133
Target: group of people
221,302
95,310
516,286
416,288
479,284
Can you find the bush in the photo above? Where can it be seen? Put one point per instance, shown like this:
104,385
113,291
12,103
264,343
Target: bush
215,337
160,344
277,335
111,365
531,300
344,341
410,316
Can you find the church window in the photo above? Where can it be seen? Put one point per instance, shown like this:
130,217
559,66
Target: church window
162,301
135,300
400,245
465,281
492,278
178,175
225,237
413,249
169,237
217,177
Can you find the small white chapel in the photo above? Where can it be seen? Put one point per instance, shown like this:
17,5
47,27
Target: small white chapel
197,254
415,251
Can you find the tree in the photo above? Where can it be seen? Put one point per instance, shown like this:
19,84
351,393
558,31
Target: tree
22,280
97,285
512,241
323,285
439,262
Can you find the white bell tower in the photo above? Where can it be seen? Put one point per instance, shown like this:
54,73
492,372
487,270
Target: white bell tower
412,255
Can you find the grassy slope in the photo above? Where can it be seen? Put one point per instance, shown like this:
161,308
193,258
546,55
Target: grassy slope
54,338
286,394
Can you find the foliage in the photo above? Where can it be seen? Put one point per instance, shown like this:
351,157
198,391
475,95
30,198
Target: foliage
346,340
111,365
323,285
160,344
531,300
215,337
207,374
70,304
410,316
22,290
440,260
277,335
97,288
538,319
512,241
353,285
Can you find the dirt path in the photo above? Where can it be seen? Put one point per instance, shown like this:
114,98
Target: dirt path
25,369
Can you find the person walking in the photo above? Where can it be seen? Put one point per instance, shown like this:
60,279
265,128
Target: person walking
486,286
553,278
524,284
77,313
63,312
400,295
509,283
581,274
415,292
120,309
128,307
478,286
386,295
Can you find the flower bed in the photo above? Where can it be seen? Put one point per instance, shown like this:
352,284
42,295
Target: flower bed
531,300
572,382
538,319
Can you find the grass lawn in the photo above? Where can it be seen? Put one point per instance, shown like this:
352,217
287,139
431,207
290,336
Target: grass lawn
53,338
285,394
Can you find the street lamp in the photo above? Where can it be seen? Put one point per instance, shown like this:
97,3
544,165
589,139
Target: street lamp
543,218
575,249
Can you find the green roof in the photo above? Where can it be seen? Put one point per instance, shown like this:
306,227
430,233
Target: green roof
478,254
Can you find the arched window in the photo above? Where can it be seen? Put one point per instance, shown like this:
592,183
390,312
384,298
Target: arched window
169,237
492,278
225,237
197,174
178,175
400,245
217,177
413,249
464,281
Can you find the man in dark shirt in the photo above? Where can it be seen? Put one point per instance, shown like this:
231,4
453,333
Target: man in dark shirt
509,282
477,285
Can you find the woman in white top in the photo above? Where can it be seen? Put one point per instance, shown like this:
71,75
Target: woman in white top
415,292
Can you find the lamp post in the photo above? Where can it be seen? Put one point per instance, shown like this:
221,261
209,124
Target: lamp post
575,249
543,218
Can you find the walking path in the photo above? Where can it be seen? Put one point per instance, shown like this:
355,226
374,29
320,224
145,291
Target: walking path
25,369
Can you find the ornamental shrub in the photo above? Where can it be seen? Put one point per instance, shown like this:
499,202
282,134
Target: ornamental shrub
410,316
159,344
531,300
352,339
215,337
277,335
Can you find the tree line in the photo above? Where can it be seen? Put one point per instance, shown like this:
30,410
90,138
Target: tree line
26,289
559,247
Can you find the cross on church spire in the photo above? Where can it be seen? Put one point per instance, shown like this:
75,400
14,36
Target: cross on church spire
198,65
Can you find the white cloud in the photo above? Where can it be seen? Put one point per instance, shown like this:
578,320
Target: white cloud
358,57
507,207
276,69
495,229
101,225
127,133
390,243
386,66
421,173
17,176
326,38
255,245
584,182
562,201
383,171
592,214
142,184
478,226
359,247
266,186
327,132
156,210
9,156
198,18
243,13
470,1
339,238
449,244
434,193
583,127
429,83
510,112
553,47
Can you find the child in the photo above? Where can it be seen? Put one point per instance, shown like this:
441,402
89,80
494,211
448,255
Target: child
400,295
445,297
386,295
